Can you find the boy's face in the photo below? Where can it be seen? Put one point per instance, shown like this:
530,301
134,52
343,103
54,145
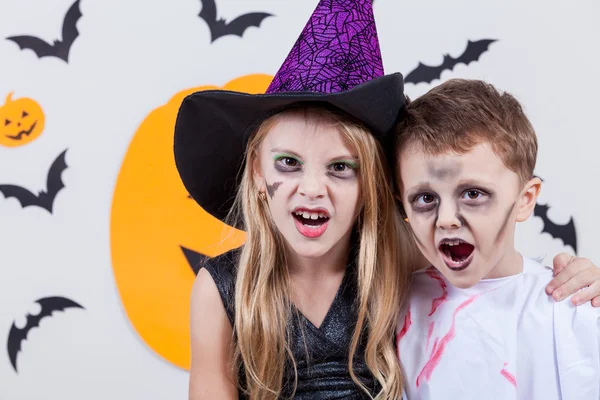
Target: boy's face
462,209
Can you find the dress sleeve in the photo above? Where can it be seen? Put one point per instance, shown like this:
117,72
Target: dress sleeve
577,345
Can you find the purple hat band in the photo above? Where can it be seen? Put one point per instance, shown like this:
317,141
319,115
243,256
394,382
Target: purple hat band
337,50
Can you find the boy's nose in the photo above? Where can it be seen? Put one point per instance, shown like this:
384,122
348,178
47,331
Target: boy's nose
448,216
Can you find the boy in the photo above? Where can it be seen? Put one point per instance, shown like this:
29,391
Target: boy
466,155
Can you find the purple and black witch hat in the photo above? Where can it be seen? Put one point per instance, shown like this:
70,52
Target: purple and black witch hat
335,61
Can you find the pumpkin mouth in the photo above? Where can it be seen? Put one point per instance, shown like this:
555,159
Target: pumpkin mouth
20,135
193,258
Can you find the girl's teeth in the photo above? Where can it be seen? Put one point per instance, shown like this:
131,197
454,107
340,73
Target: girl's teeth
308,215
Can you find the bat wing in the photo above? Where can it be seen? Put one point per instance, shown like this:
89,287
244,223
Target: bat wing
239,25
69,30
13,345
564,232
428,73
54,182
424,73
209,12
55,303
473,51
39,46
25,197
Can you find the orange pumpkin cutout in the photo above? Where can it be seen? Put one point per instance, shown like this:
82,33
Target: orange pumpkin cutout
157,231
21,121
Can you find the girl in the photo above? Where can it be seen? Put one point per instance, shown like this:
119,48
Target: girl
307,307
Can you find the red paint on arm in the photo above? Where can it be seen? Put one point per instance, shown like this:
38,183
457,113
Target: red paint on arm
438,349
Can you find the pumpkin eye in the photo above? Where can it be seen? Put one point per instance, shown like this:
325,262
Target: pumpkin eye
6,122
24,114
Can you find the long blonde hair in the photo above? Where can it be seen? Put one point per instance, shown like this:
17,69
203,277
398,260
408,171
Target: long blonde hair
262,305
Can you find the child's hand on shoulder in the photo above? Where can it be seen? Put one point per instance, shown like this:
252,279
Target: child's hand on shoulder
572,274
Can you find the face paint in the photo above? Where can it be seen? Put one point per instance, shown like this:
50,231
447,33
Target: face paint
315,174
443,170
272,188
506,219
462,212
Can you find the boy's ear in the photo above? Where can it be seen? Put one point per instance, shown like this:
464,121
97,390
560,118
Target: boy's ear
529,196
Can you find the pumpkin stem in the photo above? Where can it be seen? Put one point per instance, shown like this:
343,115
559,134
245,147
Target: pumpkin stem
9,98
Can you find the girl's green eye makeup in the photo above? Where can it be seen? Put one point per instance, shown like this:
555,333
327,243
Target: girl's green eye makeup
343,168
286,162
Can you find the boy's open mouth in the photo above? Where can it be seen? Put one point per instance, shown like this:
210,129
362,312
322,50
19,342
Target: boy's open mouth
311,223
457,253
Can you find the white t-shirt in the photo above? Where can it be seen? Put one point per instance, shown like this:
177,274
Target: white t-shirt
501,339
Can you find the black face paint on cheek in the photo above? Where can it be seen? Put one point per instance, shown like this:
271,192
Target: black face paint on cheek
462,220
448,170
272,188
503,227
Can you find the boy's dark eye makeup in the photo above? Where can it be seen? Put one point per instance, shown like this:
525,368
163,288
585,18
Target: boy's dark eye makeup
424,200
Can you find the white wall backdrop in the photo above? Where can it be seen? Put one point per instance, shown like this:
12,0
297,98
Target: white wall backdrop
131,57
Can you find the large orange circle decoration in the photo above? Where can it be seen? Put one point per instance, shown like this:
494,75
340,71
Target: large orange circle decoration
21,121
157,232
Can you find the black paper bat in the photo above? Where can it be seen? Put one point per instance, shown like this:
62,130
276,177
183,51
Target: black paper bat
60,48
218,27
564,232
17,335
426,73
45,199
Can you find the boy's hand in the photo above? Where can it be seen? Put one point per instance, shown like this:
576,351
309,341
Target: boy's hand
574,273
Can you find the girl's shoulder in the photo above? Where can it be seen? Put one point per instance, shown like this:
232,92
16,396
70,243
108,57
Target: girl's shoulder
222,270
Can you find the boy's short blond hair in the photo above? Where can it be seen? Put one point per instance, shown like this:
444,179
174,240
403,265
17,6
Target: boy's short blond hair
460,113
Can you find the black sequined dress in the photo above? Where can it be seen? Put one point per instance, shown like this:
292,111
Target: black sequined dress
323,371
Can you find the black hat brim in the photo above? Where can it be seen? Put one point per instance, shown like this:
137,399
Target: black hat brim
212,129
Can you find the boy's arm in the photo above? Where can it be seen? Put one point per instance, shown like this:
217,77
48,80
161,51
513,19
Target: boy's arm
572,274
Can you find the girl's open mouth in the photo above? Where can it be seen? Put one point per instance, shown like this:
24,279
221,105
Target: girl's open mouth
311,223
457,253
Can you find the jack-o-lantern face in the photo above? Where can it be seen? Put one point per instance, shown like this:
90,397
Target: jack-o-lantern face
21,121
158,232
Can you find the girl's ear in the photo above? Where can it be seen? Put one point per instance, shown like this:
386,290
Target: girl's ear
528,200
257,176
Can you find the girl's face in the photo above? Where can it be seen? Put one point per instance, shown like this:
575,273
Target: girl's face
310,177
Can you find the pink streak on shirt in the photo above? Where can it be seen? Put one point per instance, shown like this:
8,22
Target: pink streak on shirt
429,334
434,274
509,377
407,322
438,350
